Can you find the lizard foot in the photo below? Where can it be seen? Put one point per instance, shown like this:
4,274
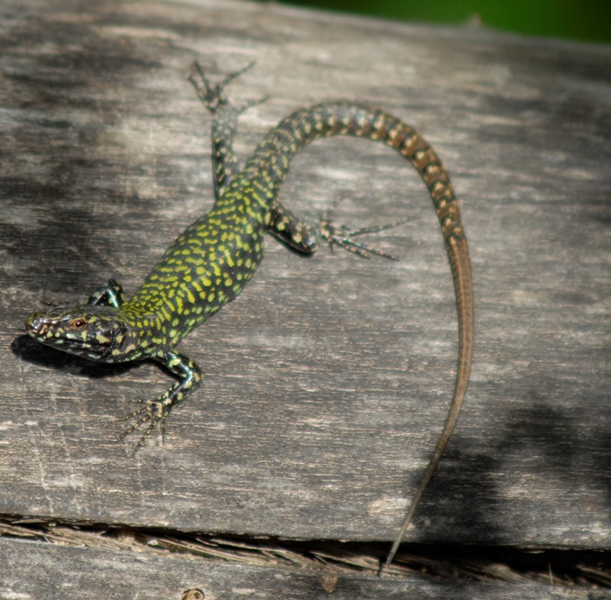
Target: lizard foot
152,413
213,96
341,235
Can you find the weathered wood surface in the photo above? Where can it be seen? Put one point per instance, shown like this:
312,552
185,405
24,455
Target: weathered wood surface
86,573
328,380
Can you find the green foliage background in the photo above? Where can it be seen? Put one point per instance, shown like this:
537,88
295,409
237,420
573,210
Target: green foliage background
578,19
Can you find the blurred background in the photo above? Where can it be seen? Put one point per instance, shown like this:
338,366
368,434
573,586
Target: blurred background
588,20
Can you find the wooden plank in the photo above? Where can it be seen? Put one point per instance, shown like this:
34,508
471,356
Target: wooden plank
36,570
328,380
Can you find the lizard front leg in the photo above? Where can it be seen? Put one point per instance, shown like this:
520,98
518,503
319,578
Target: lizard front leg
110,294
157,411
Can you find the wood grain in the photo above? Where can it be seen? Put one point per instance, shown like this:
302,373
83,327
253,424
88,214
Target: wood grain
85,573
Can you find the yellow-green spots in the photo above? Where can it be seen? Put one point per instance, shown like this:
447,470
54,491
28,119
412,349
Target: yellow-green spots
167,314
174,361
212,260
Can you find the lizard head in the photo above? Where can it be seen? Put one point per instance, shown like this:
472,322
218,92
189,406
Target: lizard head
93,332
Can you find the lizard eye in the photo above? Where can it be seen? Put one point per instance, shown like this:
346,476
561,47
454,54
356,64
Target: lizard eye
79,323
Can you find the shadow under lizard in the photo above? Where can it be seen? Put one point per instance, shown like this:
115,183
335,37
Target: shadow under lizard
212,260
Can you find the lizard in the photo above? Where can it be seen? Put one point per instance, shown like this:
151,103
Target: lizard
209,264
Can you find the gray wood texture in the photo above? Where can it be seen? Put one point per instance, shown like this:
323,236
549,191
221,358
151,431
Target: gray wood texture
87,573
329,378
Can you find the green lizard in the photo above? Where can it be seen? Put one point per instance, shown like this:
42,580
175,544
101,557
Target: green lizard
212,260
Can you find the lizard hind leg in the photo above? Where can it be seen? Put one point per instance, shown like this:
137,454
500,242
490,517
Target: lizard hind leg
214,96
225,162
342,236
304,236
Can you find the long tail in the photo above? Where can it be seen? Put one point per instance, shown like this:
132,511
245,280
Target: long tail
461,272
272,159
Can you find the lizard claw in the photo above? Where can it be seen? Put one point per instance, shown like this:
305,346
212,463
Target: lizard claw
213,96
152,413
341,236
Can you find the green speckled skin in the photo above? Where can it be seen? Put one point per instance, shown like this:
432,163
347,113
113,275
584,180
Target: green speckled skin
212,260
